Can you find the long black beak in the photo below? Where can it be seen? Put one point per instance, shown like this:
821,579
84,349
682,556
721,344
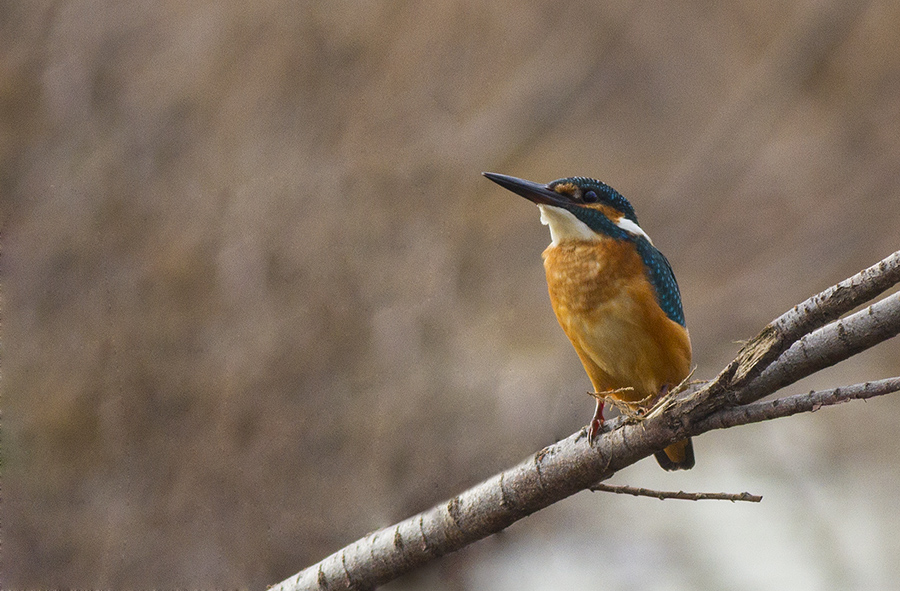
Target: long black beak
532,191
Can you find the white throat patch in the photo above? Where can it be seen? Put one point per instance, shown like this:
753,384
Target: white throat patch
565,226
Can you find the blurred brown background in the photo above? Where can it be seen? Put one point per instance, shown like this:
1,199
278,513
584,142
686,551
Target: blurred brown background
258,300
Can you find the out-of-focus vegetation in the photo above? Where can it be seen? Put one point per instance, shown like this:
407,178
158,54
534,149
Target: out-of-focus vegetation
258,301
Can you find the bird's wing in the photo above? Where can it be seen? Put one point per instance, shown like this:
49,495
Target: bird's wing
661,276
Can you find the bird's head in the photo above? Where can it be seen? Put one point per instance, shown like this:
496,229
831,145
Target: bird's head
577,208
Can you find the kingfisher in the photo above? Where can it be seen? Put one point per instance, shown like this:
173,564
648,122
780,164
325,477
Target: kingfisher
614,294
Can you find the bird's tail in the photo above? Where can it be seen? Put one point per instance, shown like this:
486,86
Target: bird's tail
678,456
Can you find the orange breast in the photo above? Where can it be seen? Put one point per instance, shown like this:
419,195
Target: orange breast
608,309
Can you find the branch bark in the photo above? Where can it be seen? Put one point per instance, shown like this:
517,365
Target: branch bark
806,339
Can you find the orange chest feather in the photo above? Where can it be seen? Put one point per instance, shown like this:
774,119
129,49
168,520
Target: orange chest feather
608,309
583,276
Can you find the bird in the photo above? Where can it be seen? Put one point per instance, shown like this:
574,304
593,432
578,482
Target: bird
614,295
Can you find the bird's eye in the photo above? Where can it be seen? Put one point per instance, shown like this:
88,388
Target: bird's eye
590,197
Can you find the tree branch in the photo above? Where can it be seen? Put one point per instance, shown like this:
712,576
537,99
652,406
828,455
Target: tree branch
685,496
730,386
791,405
800,342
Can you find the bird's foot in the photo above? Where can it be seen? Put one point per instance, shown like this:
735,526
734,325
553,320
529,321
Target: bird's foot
664,399
667,395
660,402
594,428
666,391
632,410
596,424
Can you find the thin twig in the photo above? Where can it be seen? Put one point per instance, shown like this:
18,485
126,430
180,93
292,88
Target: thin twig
663,494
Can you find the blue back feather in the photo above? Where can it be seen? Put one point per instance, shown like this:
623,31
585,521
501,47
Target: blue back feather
662,278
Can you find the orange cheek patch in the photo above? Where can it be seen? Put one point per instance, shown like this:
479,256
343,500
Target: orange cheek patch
567,189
